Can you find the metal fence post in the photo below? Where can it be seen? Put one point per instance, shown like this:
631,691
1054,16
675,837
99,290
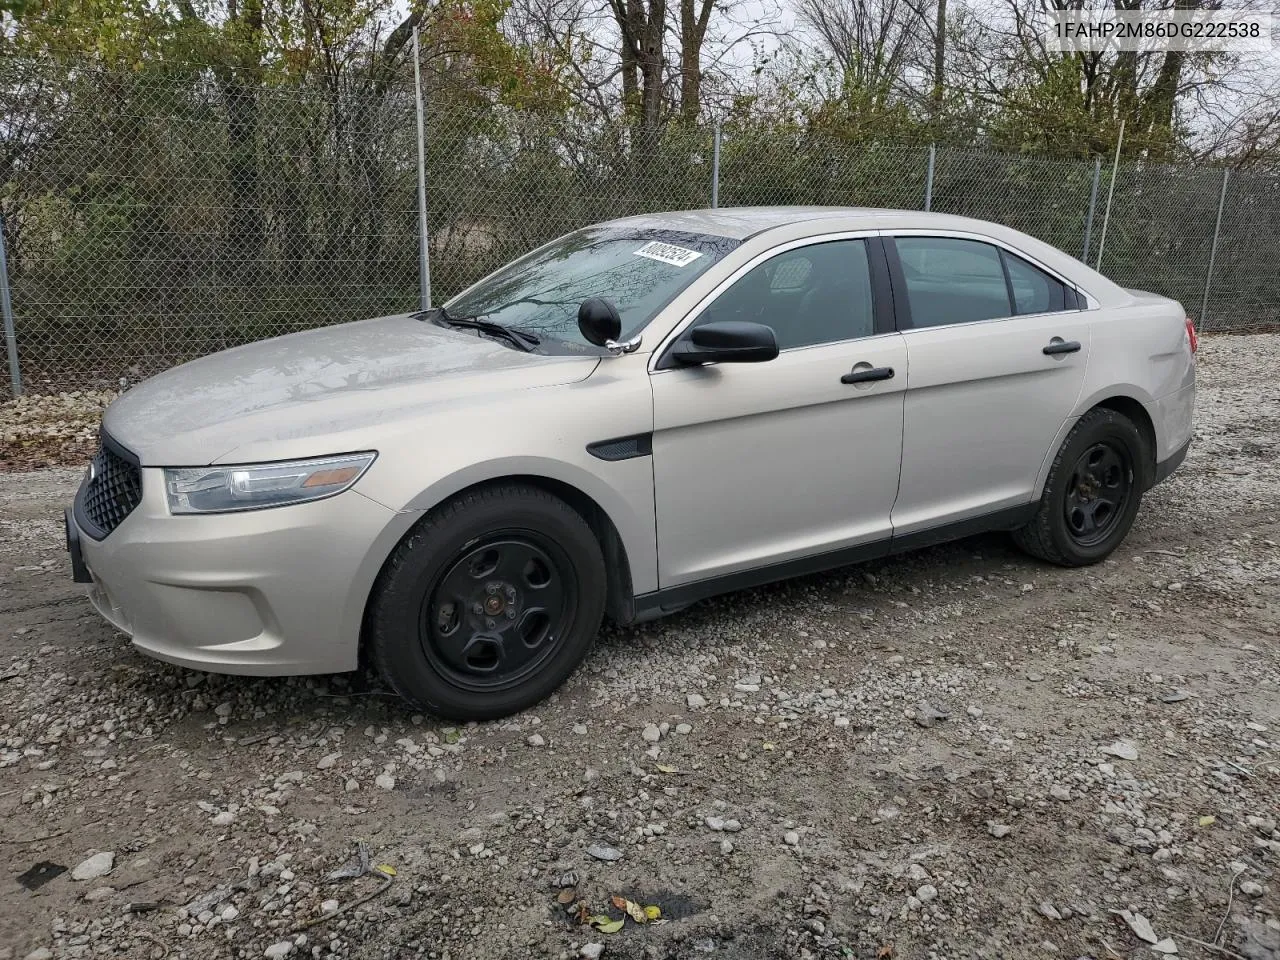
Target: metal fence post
1093,205
715,168
424,255
1111,194
6,309
1213,252
928,179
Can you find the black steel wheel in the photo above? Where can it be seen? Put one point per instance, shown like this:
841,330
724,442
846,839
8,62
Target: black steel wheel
1092,492
488,604
1098,492
501,609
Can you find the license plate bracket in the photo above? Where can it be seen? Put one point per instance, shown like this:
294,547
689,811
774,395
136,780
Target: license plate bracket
79,569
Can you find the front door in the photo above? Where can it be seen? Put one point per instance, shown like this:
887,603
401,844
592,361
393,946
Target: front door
761,463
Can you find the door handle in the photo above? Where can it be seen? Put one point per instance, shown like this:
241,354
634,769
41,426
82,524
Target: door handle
1058,345
873,373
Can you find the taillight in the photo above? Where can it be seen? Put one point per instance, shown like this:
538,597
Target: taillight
1191,335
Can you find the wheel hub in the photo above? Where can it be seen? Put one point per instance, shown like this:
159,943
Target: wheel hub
1098,492
498,610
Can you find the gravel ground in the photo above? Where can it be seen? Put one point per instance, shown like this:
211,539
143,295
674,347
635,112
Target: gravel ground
956,753
47,430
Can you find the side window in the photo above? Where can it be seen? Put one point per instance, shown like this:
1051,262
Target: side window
952,281
1034,291
810,295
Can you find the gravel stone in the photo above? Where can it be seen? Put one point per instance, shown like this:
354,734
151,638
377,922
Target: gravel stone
91,868
1122,749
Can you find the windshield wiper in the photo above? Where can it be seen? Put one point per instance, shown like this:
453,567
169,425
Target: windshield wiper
523,339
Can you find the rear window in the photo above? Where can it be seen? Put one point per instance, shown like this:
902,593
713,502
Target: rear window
952,281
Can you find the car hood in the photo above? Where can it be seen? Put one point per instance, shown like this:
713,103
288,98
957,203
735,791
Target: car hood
318,383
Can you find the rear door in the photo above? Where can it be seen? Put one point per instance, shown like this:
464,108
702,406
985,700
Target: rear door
997,349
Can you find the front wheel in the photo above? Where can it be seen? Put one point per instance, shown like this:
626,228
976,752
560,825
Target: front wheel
1092,493
488,604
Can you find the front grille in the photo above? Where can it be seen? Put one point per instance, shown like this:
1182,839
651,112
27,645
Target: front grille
113,489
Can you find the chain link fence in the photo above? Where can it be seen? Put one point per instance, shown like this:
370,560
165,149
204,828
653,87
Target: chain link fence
150,219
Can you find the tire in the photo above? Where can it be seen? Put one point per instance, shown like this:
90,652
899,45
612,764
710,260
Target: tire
488,604
1092,493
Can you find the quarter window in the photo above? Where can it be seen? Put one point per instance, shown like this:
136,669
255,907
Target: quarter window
1034,291
815,294
952,281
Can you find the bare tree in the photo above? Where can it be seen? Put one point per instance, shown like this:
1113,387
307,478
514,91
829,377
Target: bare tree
694,18
642,26
874,42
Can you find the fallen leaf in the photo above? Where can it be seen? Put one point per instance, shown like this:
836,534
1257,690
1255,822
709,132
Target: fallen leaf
652,913
768,746
582,911
1208,821
885,952
630,908
667,768
386,869
567,897
605,924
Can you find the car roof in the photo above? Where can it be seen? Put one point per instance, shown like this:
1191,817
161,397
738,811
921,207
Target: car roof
740,223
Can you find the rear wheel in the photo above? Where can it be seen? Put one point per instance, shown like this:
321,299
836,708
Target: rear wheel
1092,493
489,604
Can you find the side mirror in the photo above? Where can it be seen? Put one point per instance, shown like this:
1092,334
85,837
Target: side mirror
599,321
727,341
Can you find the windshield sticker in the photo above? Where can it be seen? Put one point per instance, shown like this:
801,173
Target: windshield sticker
668,253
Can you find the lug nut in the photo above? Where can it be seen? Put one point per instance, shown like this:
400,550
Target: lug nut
477,609
490,624
491,588
511,614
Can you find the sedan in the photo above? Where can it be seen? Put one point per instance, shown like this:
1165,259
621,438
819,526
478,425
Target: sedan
626,420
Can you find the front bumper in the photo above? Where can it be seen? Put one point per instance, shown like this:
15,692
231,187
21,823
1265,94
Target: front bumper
263,592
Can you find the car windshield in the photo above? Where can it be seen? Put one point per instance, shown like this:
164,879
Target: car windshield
639,270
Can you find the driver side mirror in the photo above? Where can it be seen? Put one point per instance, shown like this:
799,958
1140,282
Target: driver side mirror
726,341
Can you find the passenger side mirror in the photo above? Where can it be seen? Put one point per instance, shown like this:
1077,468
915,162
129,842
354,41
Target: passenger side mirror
599,321
726,341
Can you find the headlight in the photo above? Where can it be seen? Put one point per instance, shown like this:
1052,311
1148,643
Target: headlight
254,486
